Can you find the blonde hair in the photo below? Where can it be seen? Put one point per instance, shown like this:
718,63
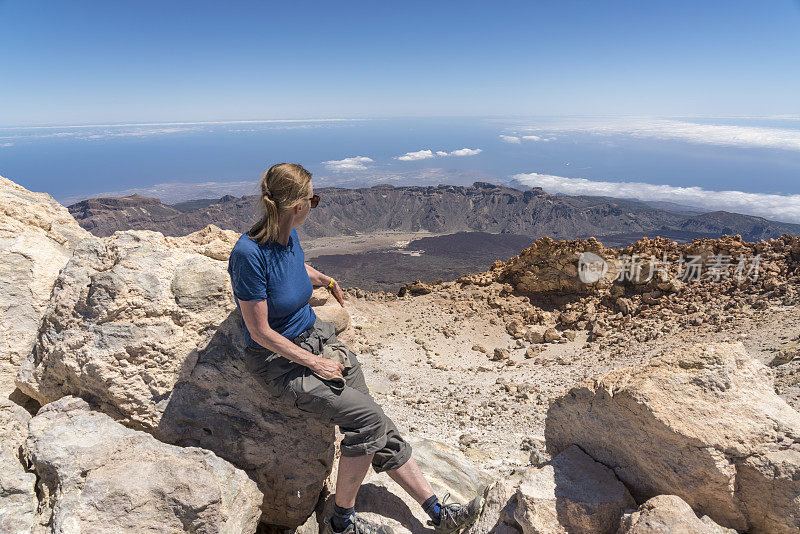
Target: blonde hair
283,187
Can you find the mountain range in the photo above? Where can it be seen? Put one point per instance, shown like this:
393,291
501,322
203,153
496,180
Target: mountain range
481,207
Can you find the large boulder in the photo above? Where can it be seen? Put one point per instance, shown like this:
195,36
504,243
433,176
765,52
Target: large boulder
702,423
37,236
570,267
96,475
17,485
211,241
571,493
146,330
668,514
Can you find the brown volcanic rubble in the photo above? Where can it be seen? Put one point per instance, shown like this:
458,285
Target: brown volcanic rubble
545,277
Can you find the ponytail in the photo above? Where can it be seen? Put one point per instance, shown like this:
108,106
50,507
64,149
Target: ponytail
283,187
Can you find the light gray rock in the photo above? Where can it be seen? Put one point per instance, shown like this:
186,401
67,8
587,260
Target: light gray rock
498,509
702,423
145,329
17,485
538,450
571,493
668,514
14,422
37,235
96,475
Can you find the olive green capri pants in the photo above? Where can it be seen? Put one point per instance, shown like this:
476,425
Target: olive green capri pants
366,428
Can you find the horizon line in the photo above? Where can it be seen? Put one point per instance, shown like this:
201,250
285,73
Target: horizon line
344,119
190,123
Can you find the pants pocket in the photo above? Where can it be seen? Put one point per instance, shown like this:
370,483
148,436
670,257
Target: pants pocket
312,396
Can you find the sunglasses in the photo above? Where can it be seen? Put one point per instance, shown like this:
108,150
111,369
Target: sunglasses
314,201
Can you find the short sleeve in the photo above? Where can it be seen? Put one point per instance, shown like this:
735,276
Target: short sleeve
248,275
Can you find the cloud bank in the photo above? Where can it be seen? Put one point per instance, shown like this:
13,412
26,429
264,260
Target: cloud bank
691,132
774,207
429,154
518,139
356,163
93,132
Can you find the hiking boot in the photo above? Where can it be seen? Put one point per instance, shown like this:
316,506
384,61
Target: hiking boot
454,516
357,525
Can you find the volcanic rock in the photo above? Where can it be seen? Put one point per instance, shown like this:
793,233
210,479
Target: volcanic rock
146,330
37,236
95,475
17,485
571,493
702,423
668,514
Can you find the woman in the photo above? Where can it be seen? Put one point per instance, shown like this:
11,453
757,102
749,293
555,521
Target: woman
298,357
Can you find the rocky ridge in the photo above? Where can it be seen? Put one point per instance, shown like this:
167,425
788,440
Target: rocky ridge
441,209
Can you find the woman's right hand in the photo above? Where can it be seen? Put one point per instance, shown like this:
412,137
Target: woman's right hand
328,368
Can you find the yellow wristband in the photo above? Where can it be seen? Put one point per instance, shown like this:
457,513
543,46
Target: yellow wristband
330,284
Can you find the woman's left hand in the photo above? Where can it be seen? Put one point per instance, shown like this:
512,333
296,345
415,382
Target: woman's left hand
337,293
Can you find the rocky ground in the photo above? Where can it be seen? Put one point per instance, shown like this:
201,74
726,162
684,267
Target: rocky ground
428,360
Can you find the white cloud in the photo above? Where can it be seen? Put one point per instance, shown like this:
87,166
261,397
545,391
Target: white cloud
348,164
536,138
415,156
517,139
6,144
428,154
511,139
774,207
691,132
466,152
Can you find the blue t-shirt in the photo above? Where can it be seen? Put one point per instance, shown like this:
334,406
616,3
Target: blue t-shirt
277,274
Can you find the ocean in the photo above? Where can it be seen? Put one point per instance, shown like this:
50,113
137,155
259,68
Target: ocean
684,160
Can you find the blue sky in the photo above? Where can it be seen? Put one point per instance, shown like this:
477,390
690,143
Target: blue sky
87,62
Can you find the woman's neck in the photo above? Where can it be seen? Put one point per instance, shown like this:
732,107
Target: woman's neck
284,231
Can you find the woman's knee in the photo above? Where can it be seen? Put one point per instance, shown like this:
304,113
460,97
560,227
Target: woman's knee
361,413
361,441
392,456
362,422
